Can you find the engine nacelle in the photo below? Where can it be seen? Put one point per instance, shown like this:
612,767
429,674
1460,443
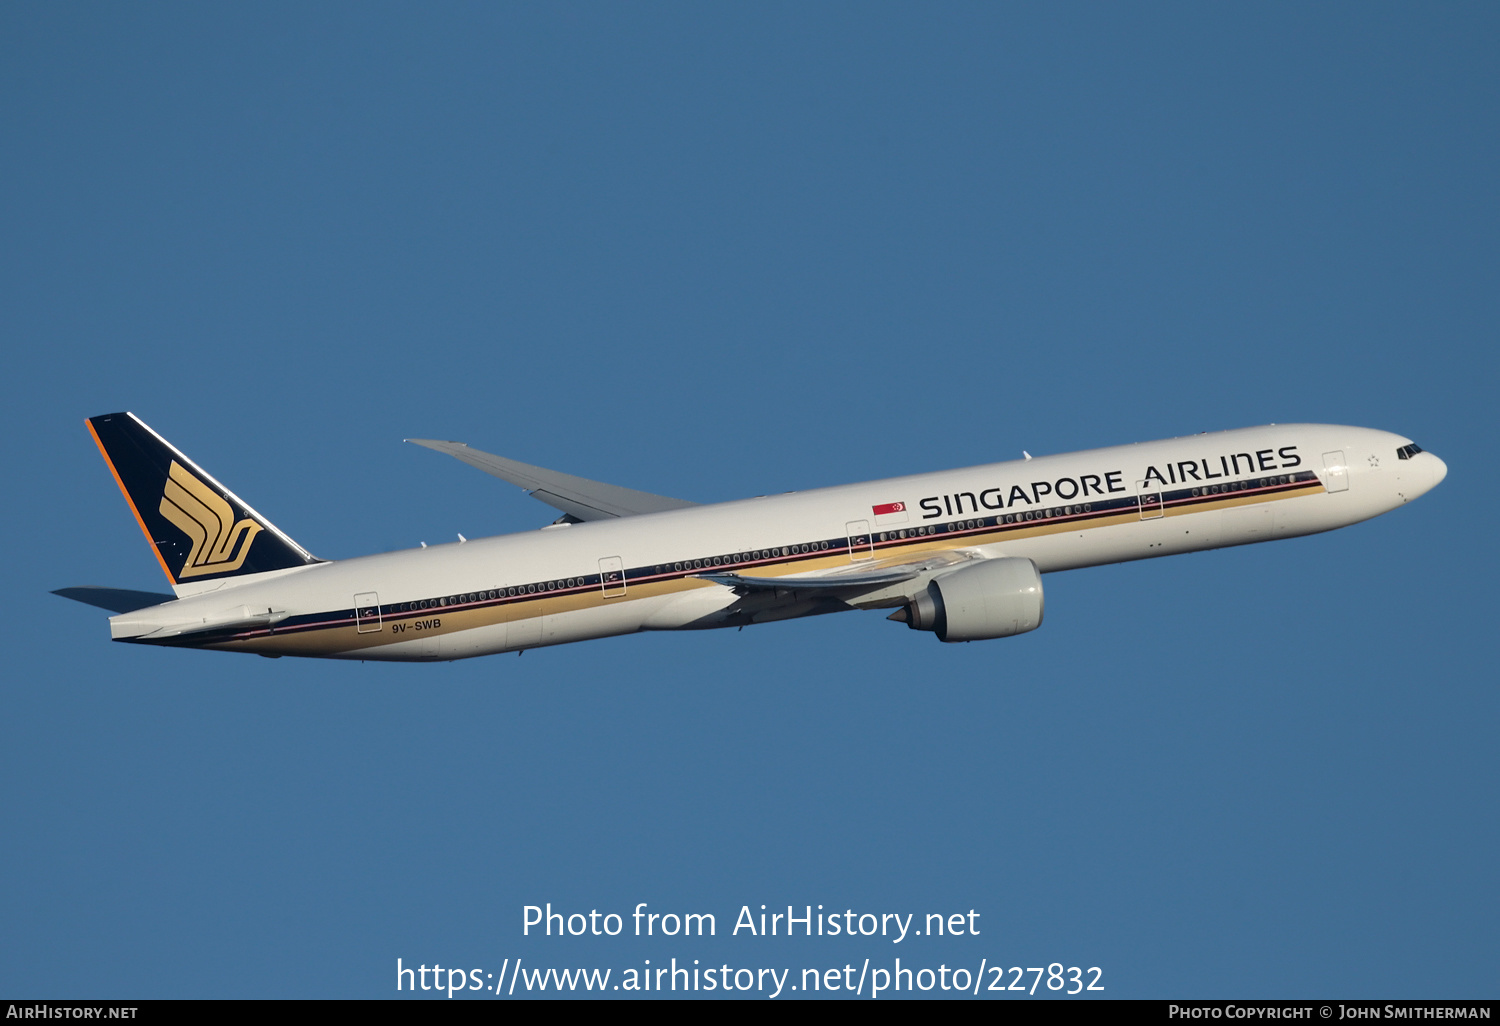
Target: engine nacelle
995,598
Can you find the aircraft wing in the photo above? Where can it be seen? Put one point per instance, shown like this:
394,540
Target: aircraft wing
577,497
846,580
815,582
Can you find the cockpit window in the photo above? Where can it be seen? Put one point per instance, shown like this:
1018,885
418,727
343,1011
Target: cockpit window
1406,452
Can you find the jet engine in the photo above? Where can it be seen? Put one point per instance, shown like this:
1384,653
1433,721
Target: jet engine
994,598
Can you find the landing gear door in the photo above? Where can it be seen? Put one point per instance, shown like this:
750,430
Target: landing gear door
1335,472
367,612
1150,499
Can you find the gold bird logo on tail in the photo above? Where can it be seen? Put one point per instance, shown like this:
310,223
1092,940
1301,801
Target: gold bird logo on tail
204,516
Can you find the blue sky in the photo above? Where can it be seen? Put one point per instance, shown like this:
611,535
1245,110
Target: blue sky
714,251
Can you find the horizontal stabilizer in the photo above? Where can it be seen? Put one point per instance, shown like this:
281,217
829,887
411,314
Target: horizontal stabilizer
578,497
116,600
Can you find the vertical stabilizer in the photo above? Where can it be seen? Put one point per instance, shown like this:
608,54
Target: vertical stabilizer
199,530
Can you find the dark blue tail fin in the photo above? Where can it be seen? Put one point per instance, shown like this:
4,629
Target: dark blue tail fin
199,530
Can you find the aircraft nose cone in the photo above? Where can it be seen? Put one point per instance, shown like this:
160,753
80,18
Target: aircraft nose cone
1426,473
1439,471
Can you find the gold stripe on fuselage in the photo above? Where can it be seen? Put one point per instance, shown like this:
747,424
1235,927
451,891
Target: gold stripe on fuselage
344,637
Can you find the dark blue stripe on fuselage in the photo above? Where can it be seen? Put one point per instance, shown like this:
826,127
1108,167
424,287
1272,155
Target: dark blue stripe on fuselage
1066,513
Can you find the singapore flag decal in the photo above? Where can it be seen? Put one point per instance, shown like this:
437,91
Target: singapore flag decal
889,513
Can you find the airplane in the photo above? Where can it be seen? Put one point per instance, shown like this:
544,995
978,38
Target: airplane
958,553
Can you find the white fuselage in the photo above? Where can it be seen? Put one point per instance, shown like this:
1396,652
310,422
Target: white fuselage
606,577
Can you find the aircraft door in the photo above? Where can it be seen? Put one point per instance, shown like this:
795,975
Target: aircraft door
1335,472
612,576
861,541
367,612
1150,500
